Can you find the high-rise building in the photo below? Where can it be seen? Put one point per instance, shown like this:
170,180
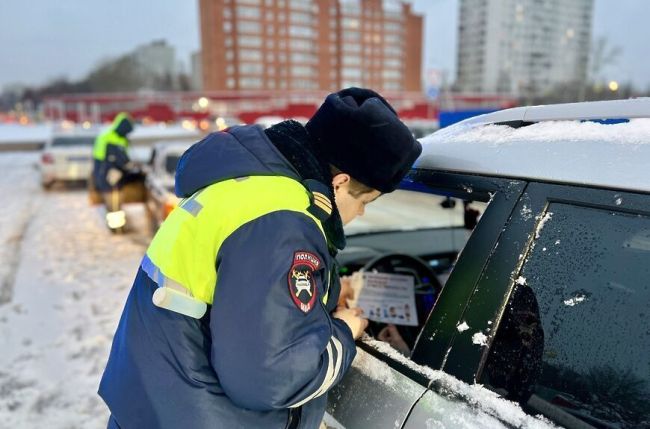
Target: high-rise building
196,75
157,58
310,45
522,47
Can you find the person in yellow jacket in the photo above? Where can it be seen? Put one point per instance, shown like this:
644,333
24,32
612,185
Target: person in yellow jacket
232,320
111,151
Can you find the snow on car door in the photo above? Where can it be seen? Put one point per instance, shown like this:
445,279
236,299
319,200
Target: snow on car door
372,395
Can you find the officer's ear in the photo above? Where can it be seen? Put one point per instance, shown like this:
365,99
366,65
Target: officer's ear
340,180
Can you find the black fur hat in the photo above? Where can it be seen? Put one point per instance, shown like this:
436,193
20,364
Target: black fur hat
358,132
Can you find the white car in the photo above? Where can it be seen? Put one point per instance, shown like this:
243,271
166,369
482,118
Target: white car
67,156
159,182
268,121
539,315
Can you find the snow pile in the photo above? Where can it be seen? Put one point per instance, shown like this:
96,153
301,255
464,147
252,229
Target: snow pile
66,279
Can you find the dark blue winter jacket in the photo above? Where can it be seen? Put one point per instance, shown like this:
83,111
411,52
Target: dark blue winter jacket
257,359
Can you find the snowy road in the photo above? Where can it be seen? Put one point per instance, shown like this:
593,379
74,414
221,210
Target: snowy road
63,282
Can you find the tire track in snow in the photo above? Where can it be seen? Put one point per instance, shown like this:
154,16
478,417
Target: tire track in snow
20,188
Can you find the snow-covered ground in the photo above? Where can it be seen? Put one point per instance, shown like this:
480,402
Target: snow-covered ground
63,282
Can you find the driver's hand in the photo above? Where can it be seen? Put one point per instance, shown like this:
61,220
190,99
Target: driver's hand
391,335
346,291
352,318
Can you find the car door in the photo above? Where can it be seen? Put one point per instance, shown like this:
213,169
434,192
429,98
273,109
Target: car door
378,391
586,262
382,387
560,309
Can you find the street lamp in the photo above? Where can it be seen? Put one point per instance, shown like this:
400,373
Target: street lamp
613,86
203,102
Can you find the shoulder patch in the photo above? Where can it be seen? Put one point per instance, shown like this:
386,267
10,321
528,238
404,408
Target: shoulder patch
302,280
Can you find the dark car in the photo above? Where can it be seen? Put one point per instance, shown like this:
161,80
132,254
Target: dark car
533,298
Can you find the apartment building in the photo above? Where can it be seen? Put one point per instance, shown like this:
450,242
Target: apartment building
310,45
522,47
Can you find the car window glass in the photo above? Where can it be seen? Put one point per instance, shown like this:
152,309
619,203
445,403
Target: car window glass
408,210
170,163
574,339
415,234
72,141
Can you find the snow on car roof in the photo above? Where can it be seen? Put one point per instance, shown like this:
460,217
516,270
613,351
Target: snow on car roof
566,151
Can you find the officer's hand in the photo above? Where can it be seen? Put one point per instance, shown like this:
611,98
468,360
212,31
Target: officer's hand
351,317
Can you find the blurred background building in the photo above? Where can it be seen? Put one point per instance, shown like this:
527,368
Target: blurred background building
310,45
523,48
156,59
255,59
196,72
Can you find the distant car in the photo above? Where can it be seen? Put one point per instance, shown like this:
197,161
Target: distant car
159,182
267,121
67,156
532,301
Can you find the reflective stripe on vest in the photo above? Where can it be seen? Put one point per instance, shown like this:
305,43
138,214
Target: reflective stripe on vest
185,247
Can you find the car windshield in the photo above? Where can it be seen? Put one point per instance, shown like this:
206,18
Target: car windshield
72,141
170,163
407,210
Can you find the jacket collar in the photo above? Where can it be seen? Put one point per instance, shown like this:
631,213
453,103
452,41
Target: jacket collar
295,144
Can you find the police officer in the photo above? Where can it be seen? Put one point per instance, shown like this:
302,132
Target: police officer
245,331
111,151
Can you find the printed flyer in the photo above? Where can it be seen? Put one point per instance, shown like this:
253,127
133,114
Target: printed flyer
386,298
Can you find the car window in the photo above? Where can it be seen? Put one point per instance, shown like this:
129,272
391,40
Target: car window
409,210
72,141
429,226
409,233
170,163
573,342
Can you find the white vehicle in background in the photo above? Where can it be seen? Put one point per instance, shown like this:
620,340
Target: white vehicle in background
67,156
159,182
267,121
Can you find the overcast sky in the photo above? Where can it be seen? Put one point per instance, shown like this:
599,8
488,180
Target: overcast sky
44,39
